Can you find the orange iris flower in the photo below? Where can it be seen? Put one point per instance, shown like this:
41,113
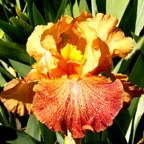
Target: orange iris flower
70,55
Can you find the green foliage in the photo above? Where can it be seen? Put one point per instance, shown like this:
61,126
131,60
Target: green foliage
13,136
17,21
38,19
116,8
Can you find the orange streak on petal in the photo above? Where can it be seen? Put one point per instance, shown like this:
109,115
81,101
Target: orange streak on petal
77,104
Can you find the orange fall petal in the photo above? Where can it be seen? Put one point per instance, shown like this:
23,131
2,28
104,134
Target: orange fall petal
77,105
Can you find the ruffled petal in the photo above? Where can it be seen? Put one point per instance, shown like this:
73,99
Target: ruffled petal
96,40
105,27
77,105
45,60
119,45
18,96
130,90
51,39
34,47
103,24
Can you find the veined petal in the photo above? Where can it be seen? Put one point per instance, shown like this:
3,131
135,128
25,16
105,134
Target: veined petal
18,96
90,103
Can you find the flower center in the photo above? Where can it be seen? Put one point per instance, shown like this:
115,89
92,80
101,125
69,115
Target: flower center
71,54
73,60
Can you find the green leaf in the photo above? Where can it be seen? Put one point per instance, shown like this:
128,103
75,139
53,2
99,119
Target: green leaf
94,7
38,19
116,8
5,13
139,16
133,107
12,136
20,68
12,31
23,26
101,5
6,73
6,118
138,115
124,122
48,136
132,110
14,51
68,10
61,9
134,19
137,74
49,11
83,6
59,137
115,134
76,11
2,80
4,115
104,137
30,11
23,17
92,138
33,128
142,48
1,33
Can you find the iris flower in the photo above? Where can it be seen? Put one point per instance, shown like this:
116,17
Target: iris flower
70,93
